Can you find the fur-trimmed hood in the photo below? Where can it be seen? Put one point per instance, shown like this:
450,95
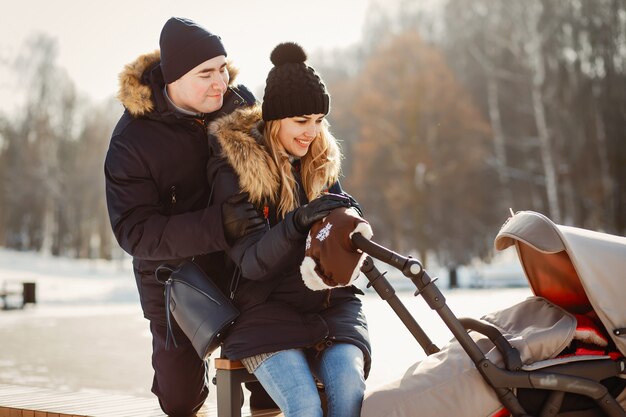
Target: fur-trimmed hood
240,135
135,94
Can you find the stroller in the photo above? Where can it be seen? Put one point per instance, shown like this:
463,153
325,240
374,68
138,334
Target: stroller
559,353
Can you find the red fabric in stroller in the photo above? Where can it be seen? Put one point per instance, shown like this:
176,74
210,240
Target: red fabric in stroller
573,272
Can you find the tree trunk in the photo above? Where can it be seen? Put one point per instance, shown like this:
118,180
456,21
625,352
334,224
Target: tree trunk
453,281
498,139
47,226
537,67
605,172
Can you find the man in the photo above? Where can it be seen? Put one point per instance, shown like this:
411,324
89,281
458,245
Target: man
157,190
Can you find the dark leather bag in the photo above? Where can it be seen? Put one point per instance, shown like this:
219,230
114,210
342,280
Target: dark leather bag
200,308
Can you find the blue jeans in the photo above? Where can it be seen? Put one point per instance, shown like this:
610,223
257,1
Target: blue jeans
288,377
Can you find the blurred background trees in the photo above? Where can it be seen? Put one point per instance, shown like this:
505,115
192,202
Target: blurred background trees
458,113
51,161
449,115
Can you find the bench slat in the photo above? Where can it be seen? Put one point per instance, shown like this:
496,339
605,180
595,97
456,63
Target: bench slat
223,363
22,401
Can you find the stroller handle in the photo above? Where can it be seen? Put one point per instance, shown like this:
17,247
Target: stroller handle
412,265
386,291
433,296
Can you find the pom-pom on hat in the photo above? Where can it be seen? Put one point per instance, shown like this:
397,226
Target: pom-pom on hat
292,87
185,45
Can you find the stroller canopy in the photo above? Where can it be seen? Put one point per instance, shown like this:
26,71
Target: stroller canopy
580,270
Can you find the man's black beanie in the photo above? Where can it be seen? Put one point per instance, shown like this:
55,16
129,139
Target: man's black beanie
293,88
185,45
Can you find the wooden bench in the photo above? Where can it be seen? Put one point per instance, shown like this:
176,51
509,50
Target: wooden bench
21,401
9,290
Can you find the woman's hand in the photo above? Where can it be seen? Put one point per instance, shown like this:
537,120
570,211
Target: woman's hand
305,216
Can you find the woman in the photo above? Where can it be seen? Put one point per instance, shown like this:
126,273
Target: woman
285,158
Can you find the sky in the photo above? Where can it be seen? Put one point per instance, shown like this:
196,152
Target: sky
96,39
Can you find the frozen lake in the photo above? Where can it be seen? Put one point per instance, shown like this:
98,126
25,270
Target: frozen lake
87,332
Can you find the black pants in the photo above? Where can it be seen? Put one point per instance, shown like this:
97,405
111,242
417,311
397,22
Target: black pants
180,376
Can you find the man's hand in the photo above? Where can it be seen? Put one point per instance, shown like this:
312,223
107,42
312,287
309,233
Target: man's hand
240,217
305,216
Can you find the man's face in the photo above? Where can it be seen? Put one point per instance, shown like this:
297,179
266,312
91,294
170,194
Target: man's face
202,89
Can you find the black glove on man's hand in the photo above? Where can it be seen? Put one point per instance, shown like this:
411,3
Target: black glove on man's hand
240,217
305,216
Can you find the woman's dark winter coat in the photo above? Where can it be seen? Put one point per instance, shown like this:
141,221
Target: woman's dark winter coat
278,311
156,186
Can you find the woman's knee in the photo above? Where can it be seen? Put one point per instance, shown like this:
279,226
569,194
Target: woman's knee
343,364
346,387
287,378
342,372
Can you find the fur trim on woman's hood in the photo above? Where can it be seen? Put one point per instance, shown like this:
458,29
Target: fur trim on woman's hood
241,137
137,96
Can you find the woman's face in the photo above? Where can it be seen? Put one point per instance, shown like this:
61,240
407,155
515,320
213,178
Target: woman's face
297,133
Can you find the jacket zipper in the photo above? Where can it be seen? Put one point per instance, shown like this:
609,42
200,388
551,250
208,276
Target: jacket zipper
173,194
202,123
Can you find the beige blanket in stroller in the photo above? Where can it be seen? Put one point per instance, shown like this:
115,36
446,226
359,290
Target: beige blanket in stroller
448,384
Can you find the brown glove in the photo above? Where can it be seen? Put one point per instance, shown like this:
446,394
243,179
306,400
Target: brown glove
330,257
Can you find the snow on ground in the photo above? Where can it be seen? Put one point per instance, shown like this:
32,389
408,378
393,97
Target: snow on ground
87,331
70,281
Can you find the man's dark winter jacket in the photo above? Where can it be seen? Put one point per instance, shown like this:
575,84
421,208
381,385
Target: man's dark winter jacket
156,186
277,310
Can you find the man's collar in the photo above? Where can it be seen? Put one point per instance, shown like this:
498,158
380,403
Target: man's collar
178,109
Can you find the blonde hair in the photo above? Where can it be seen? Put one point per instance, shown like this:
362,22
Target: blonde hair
319,168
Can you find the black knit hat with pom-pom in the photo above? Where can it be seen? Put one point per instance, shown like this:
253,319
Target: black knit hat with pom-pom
292,87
